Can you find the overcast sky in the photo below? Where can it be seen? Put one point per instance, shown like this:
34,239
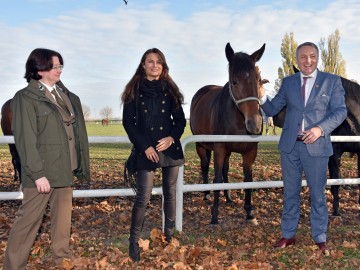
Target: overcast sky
102,41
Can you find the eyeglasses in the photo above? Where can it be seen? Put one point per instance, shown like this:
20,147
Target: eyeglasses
60,67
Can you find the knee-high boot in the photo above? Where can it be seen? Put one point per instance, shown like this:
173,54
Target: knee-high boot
169,229
137,221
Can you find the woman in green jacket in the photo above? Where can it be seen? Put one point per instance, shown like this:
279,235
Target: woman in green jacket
50,136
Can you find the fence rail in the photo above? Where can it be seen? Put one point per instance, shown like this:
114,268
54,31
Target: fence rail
181,187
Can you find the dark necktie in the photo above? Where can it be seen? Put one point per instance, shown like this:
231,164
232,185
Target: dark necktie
303,97
303,88
60,101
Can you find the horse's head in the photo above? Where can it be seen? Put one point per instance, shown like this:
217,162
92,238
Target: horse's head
244,83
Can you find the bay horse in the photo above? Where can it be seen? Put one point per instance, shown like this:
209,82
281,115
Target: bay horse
104,122
350,127
6,117
230,110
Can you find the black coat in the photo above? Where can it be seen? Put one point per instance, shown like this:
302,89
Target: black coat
168,122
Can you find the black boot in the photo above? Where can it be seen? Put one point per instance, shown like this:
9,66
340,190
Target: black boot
134,251
168,238
169,230
137,220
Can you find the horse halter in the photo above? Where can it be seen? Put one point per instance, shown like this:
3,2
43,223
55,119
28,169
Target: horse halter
240,100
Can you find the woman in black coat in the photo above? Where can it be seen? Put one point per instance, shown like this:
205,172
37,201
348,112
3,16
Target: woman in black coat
154,121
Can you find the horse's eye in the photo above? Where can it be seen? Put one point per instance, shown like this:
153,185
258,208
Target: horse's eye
234,82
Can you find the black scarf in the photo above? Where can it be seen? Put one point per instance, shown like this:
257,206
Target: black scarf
152,90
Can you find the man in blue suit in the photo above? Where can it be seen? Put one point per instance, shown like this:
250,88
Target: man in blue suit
315,106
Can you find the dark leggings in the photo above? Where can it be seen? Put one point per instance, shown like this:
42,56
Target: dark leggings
144,181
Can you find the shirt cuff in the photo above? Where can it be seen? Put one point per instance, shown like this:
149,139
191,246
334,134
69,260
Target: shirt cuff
263,99
322,132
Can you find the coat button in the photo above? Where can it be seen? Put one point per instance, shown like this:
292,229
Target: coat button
145,111
142,103
151,128
162,110
161,128
163,102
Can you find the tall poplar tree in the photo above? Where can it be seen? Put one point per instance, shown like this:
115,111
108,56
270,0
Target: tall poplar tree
329,56
332,60
288,53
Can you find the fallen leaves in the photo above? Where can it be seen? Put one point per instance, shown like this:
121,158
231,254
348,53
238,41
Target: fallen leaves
347,244
100,227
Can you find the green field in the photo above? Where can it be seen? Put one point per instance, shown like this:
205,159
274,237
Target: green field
96,129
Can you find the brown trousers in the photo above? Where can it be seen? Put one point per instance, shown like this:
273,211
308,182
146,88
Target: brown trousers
29,218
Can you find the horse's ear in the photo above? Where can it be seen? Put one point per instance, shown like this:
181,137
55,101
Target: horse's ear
257,55
296,70
229,52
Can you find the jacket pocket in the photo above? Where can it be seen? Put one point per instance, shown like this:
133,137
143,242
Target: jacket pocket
321,102
50,154
44,113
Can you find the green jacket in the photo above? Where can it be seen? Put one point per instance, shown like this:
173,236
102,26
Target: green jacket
41,140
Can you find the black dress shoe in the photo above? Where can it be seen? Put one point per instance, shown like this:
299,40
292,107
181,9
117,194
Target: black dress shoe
322,246
284,242
134,251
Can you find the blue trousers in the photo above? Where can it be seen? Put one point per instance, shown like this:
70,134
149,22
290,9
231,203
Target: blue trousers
315,168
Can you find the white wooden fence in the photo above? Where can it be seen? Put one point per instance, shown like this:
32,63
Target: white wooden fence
181,186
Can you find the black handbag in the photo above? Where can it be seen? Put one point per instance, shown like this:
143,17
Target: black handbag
130,163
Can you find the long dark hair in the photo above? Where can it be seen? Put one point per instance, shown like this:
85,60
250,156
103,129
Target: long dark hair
129,91
40,60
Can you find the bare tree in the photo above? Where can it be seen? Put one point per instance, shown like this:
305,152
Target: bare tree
106,112
86,111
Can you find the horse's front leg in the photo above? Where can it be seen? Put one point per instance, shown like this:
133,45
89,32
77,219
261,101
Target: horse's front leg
205,157
226,178
218,168
334,172
248,160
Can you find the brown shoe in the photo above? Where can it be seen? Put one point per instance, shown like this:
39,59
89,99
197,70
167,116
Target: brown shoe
284,242
322,246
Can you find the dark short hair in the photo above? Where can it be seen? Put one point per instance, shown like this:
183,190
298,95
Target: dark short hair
307,44
40,60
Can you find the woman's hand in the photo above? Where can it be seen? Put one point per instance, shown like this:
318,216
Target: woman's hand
151,154
164,143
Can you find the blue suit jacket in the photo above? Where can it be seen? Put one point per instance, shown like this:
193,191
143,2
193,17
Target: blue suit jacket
325,108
